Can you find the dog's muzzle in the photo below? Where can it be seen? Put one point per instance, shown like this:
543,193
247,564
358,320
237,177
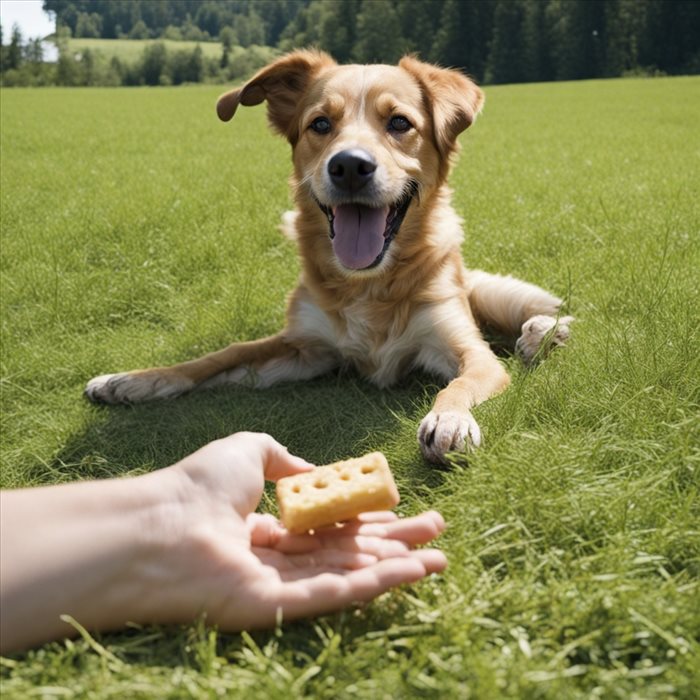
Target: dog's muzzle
361,234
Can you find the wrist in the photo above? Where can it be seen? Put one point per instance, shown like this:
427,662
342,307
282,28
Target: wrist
160,518
181,522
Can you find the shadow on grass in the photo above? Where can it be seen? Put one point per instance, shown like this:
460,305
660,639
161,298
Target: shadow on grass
330,418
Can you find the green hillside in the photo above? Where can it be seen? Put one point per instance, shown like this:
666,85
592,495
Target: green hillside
132,49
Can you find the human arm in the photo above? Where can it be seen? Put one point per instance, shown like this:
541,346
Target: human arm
168,546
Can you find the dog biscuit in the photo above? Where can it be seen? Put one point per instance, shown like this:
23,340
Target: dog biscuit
336,492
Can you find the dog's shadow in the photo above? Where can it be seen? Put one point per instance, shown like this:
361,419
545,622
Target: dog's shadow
330,418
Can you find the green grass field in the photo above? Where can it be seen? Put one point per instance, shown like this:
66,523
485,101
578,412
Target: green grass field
138,230
130,50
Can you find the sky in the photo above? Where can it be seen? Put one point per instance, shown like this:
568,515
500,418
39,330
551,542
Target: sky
32,20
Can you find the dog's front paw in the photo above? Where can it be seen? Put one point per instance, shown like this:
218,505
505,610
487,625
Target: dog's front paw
540,334
135,387
451,431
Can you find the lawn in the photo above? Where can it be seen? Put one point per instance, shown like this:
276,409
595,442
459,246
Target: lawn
138,230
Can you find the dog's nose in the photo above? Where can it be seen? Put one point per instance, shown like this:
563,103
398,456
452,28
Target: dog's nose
352,169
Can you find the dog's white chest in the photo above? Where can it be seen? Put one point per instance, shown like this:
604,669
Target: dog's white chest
382,347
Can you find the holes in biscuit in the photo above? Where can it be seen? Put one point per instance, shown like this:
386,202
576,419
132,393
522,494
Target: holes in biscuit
296,489
367,470
345,476
320,484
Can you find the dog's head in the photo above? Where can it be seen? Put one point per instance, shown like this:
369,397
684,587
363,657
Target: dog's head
369,141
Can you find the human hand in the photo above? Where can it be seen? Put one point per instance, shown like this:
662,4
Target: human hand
245,571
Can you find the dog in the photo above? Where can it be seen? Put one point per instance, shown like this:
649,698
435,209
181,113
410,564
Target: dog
383,287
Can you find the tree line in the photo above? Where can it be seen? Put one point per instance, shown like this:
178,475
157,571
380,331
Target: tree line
22,63
496,41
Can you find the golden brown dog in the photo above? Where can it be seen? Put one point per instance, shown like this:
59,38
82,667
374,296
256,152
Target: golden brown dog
383,286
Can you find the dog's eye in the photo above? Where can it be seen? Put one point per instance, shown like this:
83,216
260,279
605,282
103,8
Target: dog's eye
320,125
399,124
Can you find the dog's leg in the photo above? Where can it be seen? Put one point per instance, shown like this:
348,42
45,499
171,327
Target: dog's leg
450,425
519,310
258,363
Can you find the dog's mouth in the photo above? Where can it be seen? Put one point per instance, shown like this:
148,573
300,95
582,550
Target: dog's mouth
361,235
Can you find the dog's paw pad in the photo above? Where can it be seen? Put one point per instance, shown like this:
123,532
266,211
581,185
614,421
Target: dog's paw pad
451,431
135,387
102,389
541,334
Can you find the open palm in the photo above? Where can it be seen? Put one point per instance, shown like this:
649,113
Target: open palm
246,571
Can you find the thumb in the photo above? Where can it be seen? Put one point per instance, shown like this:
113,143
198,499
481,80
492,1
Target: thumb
277,461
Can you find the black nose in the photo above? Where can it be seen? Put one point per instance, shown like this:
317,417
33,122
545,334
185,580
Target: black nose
351,170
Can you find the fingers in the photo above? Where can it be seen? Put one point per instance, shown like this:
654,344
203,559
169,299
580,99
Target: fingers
378,516
328,592
390,536
416,530
434,560
420,529
266,531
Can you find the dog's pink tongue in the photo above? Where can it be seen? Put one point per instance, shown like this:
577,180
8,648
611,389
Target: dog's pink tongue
359,234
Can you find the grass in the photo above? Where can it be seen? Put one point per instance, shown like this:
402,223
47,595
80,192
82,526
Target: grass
137,230
130,50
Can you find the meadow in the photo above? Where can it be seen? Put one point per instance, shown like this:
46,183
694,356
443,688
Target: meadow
130,50
138,230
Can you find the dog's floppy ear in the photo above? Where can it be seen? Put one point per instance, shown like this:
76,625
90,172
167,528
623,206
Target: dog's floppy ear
282,83
453,98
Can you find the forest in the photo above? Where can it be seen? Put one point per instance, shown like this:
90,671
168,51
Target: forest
496,41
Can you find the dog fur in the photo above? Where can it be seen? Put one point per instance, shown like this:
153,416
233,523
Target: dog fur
372,141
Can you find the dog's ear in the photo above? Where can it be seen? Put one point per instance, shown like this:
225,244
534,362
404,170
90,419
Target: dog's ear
453,98
282,84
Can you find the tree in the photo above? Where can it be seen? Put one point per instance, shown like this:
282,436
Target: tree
625,22
227,36
13,55
195,65
249,29
139,31
338,27
67,67
464,35
209,17
34,51
418,22
88,25
537,59
578,37
2,51
506,62
672,39
378,38
154,63
305,28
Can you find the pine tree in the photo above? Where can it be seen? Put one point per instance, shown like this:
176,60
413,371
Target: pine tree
506,62
13,54
578,38
2,51
338,29
625,22
537,59
378,38
463,37
419,21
